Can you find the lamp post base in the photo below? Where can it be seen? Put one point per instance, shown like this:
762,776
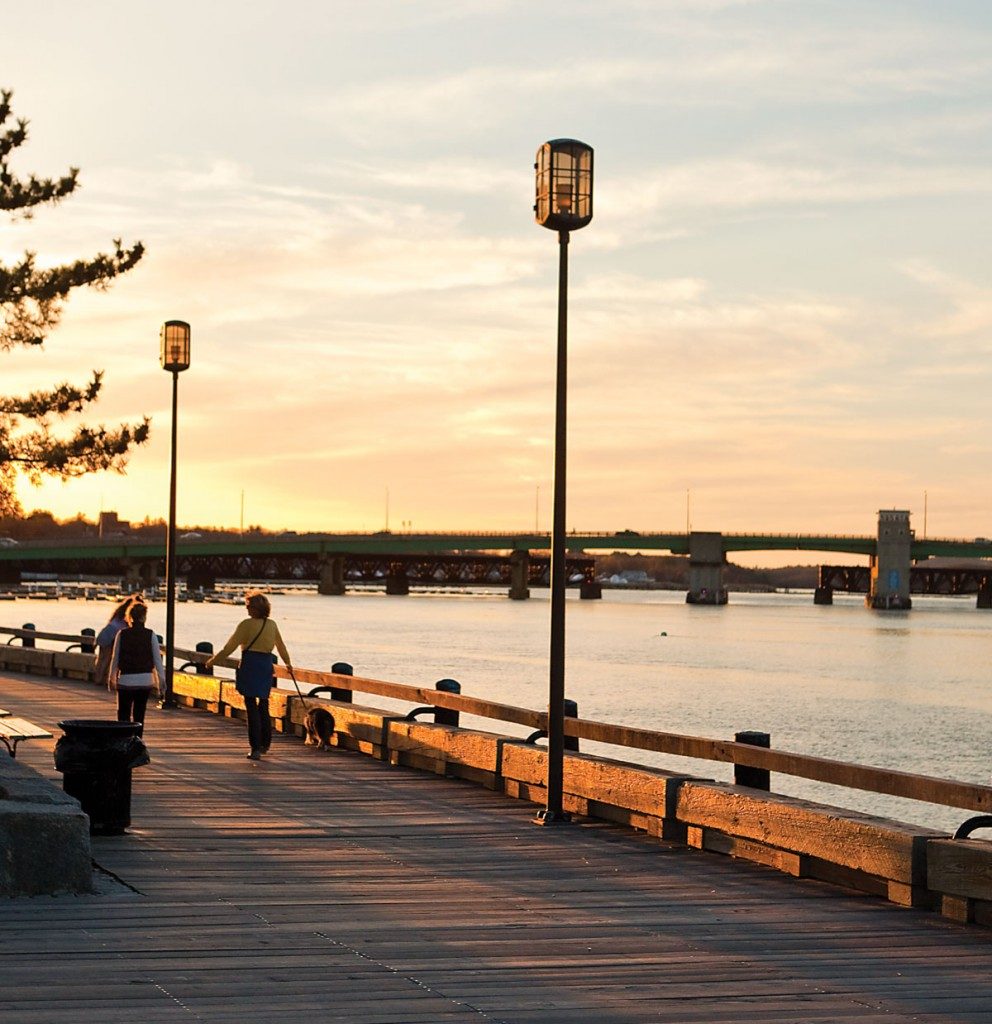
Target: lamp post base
548,818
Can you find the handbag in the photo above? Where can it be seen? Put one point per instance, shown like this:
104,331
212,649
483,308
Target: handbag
242,679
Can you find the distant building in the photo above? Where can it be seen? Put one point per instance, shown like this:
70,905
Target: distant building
111,526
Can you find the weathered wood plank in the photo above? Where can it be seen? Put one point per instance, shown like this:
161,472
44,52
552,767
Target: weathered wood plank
877,846
960,867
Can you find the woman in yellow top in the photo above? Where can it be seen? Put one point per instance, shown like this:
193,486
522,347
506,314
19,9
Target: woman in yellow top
256,636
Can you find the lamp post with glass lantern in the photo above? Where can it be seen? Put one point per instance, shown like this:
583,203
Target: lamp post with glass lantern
563,204
174,356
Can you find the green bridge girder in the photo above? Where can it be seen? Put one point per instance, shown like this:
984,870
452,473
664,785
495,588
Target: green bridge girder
436,543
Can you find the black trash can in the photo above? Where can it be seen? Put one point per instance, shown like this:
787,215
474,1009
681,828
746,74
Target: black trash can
96,759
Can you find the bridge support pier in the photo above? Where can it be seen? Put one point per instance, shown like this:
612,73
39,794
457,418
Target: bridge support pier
984,596
889,588
201,579
397,582
331,580
706,569
519,575
823,595
141,574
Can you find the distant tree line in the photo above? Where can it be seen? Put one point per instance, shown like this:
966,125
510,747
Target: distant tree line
674,570
42,525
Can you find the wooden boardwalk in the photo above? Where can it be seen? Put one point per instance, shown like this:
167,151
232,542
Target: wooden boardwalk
331,887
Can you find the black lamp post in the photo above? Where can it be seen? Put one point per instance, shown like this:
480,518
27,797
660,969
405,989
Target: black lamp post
174,356
563,204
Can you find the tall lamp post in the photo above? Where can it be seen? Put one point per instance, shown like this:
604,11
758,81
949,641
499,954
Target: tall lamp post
563,204
174,356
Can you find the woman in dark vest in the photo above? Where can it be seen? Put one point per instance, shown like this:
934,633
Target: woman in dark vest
105,641
256,636
137,657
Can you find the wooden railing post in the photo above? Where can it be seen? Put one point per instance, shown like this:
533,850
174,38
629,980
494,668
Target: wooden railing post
754,778
207,648
570,710
88,644
341,668
445,716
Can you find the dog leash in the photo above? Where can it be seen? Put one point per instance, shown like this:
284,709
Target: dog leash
292,674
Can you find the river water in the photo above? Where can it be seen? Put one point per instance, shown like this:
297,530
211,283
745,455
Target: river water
904,690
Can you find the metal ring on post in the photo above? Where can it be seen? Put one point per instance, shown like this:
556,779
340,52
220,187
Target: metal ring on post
26,641
972,824
204,647
570,709
87,646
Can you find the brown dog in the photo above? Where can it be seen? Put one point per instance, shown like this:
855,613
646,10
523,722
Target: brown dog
319,724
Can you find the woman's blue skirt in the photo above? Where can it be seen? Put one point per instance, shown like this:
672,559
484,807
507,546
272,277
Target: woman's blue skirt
254,677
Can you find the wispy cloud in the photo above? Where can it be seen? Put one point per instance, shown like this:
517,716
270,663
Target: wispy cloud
780,302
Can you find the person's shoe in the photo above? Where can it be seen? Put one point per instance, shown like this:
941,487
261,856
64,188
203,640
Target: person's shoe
254,756
264,750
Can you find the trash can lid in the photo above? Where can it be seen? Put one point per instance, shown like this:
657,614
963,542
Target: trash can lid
94,726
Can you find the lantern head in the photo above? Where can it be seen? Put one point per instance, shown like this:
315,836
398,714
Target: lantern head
563,178
174,340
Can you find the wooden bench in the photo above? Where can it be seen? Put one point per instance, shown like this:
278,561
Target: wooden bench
13,730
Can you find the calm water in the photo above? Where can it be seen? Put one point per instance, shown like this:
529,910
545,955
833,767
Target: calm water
910,691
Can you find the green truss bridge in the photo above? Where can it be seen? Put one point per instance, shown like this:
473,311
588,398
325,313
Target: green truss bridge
518,560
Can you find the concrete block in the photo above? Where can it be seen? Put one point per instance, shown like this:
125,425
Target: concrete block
21,783
44,836
44,849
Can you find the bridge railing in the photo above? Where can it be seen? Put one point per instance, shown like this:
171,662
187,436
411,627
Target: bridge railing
867,778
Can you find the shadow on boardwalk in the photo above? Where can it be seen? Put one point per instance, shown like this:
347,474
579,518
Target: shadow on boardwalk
330,887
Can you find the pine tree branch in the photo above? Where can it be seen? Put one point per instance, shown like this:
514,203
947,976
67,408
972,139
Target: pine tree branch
31,301
88,450
60,401
23,196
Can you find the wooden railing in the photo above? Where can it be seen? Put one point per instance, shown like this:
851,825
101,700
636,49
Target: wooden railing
945,792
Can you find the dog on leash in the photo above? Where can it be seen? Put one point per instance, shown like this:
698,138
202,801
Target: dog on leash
319,724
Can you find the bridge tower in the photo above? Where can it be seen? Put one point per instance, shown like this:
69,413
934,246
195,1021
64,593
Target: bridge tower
889,588
706,558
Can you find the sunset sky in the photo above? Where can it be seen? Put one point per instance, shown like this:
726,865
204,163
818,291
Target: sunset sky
782,306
